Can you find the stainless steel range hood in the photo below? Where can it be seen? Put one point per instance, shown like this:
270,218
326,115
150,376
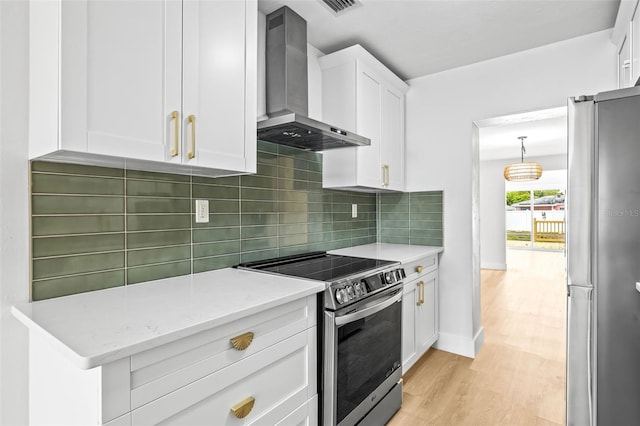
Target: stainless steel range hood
287,91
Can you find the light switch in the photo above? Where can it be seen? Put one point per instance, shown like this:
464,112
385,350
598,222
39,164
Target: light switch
354,210
202,211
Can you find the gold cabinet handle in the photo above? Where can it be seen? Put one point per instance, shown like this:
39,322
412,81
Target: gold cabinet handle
243,408
420,293
385,175
192,147
419,269
242,341
175,117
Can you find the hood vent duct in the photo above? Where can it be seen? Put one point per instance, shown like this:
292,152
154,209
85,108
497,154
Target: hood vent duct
338,7
287,91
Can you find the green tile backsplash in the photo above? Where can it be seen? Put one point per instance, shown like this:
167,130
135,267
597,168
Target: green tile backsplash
96,228
411,218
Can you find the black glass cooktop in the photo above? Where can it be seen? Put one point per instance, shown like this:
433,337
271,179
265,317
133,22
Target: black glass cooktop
317,266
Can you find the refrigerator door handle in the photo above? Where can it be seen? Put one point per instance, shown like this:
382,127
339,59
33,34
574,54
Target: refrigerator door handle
580,365
638,286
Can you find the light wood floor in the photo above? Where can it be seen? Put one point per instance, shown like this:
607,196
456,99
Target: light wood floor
518,378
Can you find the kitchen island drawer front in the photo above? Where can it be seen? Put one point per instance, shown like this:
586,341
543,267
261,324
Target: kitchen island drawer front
421,266
273,382
161,370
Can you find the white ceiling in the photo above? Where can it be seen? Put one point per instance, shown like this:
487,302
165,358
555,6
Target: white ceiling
419,37
546,133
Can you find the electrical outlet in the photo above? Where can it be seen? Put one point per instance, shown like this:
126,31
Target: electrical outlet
354,210
202,211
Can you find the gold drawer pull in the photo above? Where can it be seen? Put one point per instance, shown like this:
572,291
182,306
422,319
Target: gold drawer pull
175,117
419,269
242,341
192,148
243,408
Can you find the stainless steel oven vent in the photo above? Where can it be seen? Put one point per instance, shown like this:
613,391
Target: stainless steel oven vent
338,7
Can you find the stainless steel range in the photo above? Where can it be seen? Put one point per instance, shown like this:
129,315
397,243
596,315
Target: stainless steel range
360,328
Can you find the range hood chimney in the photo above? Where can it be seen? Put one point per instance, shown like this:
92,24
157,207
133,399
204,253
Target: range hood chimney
287,91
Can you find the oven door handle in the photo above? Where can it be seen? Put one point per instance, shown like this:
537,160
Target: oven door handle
346,319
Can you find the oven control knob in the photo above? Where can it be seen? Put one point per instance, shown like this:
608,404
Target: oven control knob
350,292
341,296
357,289
388,277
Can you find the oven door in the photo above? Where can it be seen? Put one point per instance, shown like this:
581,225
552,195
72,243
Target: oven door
362,356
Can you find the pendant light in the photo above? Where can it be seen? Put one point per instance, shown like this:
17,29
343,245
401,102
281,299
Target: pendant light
522,172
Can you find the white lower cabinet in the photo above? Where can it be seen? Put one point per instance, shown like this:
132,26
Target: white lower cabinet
257,370
419,313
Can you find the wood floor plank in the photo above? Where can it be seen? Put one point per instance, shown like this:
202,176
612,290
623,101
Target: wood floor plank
518,378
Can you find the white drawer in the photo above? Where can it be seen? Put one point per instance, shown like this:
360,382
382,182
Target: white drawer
162,370
280,378
424,265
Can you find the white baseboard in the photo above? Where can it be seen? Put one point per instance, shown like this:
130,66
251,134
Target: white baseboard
461,345
493,265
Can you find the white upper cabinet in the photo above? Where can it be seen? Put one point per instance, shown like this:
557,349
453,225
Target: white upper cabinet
626,36
361,95
165,85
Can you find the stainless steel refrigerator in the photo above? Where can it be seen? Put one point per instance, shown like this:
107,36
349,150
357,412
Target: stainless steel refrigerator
603,259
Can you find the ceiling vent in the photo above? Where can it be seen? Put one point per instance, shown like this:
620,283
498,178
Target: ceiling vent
338,7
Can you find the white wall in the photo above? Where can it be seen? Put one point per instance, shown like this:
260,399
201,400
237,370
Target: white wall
492,204
14,215
441,109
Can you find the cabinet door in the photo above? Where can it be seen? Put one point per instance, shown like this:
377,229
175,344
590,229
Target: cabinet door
409,305
121,73
426,314
216,48
635,45
392,142
369,104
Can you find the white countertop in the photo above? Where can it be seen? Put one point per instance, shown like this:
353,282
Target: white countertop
397,252
98,327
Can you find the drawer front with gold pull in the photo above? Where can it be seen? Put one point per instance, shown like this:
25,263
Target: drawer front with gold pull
243,408
242,341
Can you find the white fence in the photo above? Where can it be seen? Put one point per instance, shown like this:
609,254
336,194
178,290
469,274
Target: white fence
522,220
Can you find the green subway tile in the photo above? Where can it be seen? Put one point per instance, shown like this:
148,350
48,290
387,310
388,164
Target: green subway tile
286,218
157,205
295,196
216,234
341,208
64,225
291,240
395,232
211,263
315,167
318,208
216,248
425,224
395,240
156,272
325,216
300,228
158,222
427,216
75,204
395,224
233,181
138,174
158,255
426,241
267,158
57,287
258,255
292,185
431,208
258,231
341,226
158,189
392,216
215,192
258,244
421,233
363,240
395,208
75,169
137,240
267,147
223,206
67,245
320,227
249,219
70,265
359,233
394,199
266,170
254,181
295,174
217,220
341,235
69,184
258,194
259,206
298,249
292,207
